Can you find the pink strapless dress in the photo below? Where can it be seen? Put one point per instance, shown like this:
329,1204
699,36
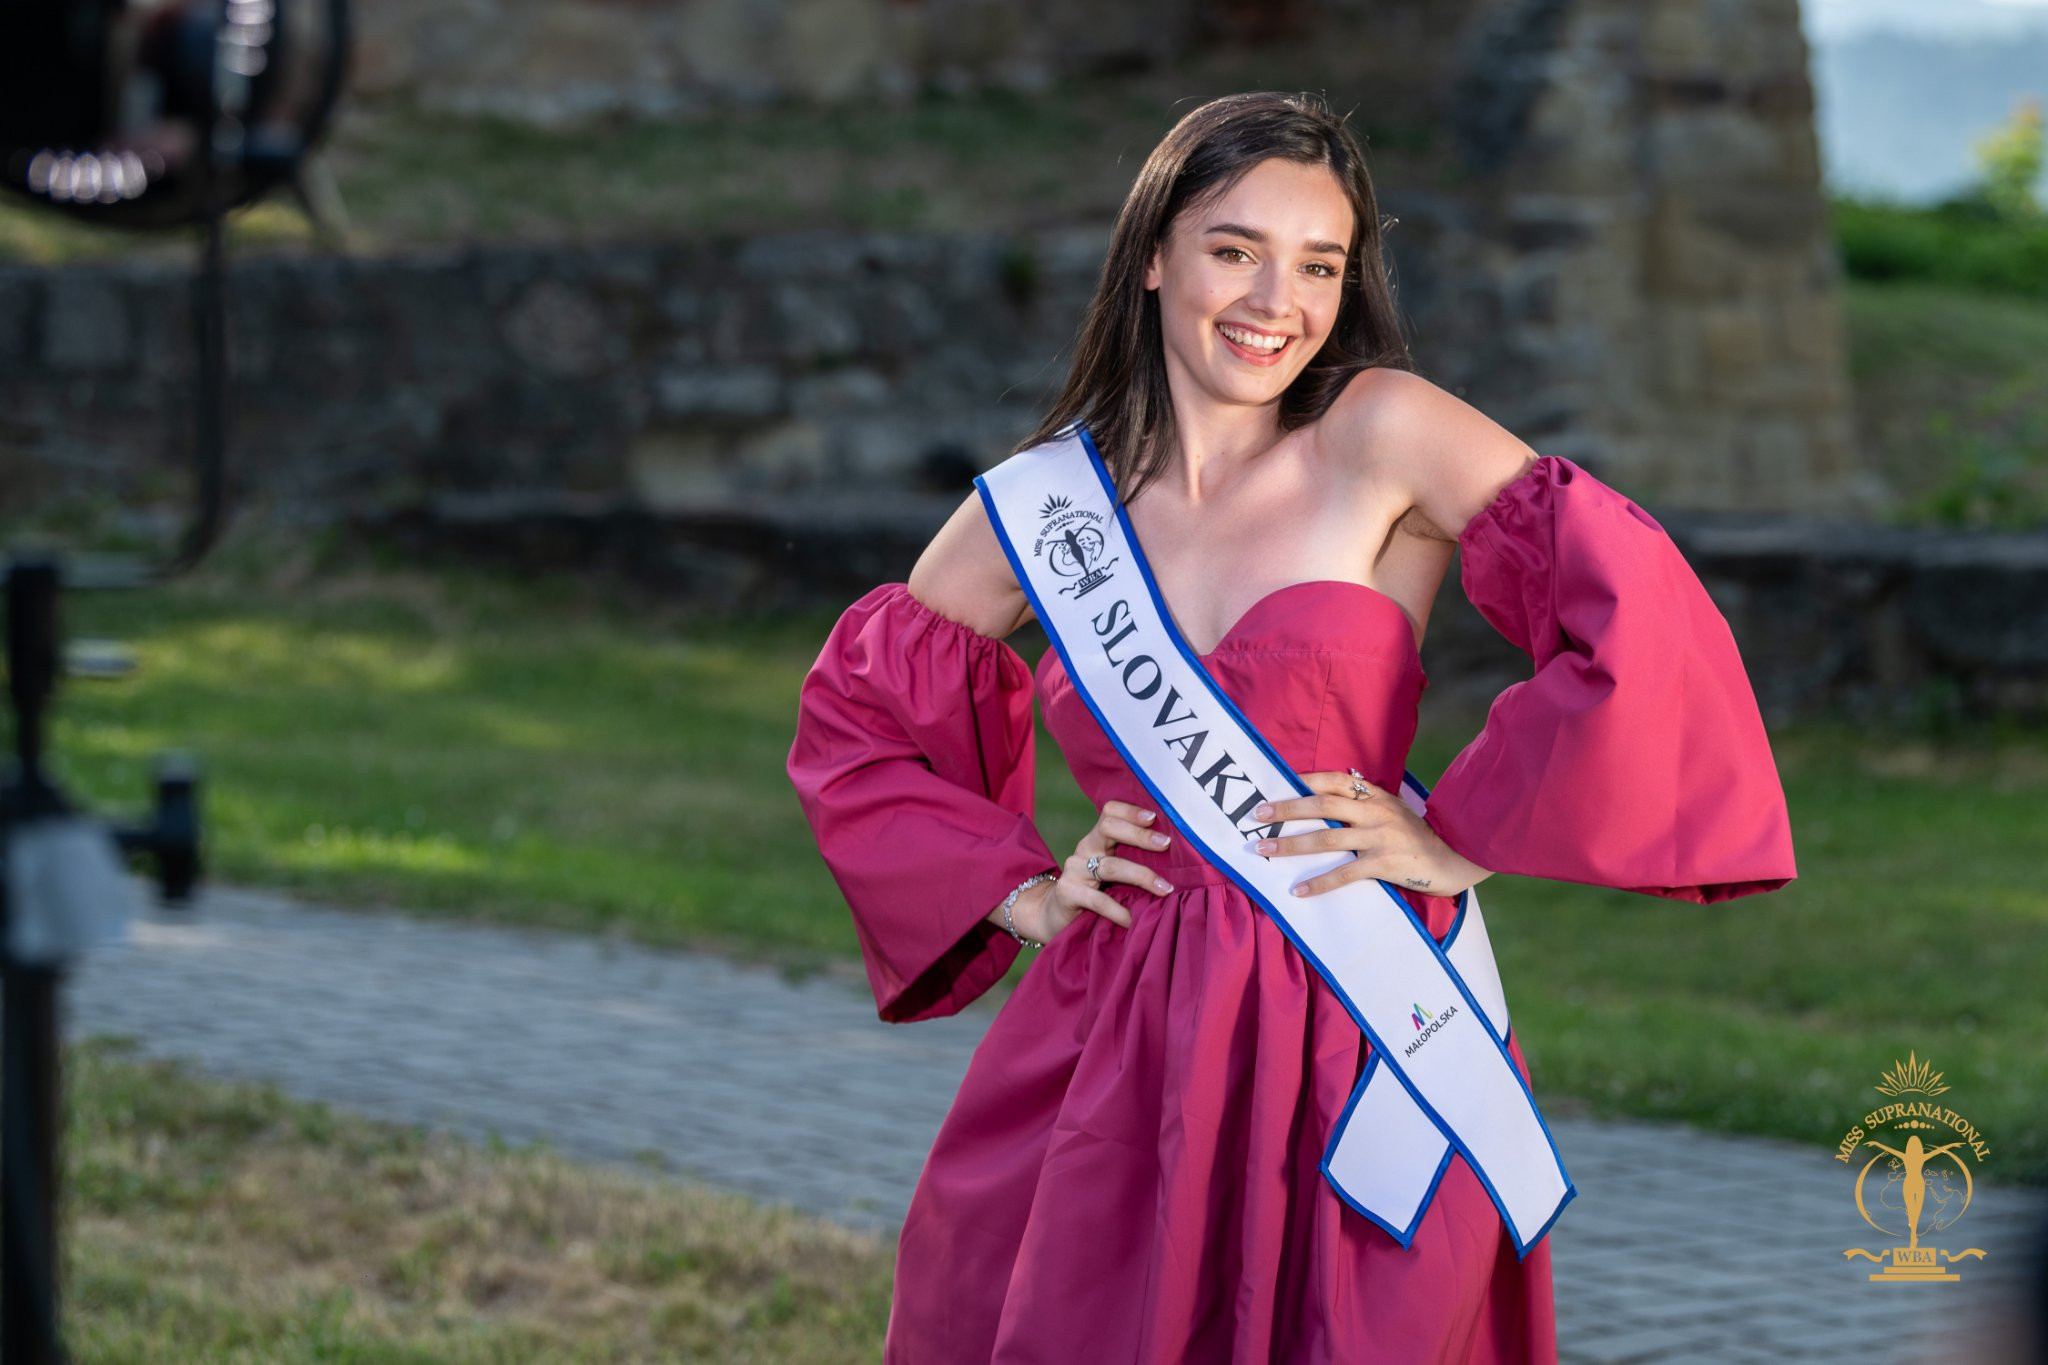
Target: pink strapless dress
1130,1170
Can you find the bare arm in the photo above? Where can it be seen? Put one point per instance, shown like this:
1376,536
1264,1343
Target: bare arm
1448,459
964,576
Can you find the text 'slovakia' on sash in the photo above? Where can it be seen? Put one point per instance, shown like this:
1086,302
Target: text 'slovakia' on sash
1439,1077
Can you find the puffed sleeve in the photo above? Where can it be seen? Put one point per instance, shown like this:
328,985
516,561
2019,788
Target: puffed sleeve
1635,756
913,762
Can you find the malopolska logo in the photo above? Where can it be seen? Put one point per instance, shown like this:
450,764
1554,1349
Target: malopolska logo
1926,1183
1072,543
1426,1026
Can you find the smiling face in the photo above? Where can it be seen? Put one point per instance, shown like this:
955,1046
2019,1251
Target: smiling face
1249,283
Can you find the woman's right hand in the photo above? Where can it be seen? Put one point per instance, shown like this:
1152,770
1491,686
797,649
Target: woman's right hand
1045,909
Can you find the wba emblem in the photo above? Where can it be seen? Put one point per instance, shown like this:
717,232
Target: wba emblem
1071,542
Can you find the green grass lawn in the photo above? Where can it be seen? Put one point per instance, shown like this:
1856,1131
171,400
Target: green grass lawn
991,161
545,754
926,166
1952,399
228,1224
473,747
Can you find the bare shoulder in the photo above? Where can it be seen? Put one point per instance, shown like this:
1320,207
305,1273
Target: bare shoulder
964,576
1447,458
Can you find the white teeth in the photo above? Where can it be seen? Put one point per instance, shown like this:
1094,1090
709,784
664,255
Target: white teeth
1252,341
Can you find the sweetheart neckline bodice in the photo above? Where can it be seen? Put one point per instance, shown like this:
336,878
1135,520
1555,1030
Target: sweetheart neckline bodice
1319,584
1234,641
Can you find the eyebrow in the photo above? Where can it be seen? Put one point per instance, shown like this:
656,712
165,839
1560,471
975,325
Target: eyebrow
1240,230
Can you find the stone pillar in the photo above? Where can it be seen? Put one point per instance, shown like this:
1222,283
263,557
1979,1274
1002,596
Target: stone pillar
1667,278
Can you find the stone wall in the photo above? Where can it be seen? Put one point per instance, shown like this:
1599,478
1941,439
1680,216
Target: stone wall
1641,270
1711,271
1640,228
692,375
554,63
1868,623
686,377
1625,259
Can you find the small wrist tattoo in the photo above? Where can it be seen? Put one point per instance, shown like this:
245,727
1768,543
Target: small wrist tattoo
1419,883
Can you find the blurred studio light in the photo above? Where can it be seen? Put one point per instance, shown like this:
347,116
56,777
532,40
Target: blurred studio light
158,113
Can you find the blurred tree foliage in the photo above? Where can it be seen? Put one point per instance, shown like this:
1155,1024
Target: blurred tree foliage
1965,243
2009,160
1992,237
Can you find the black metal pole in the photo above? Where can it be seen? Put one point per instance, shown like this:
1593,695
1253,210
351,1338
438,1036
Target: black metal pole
210,333
28,1151
28,1014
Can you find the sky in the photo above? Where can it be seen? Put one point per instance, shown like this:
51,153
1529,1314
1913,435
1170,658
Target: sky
1906,88
1826,19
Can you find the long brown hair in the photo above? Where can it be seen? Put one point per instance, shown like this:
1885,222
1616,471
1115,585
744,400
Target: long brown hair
1117,383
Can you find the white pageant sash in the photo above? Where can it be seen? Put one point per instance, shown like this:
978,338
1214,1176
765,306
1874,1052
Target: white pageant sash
1440,1077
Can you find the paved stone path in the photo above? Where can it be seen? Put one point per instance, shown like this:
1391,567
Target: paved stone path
1682,1246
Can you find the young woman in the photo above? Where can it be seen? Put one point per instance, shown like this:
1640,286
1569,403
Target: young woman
1131,1170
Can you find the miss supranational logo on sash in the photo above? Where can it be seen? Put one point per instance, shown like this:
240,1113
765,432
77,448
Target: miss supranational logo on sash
1926,1183
1071,542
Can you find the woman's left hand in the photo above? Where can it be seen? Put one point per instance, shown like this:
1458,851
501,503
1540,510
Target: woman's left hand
1392,842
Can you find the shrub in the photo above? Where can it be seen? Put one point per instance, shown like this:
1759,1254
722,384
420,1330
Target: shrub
1966,242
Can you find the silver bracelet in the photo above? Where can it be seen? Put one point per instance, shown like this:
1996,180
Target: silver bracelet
1010,901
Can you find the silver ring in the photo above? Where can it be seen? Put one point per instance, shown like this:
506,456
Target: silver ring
1093,863
1360,791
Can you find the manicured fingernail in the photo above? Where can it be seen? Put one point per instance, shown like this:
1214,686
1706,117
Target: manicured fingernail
1264,812
1161,840
1265,847
1161,884
1147,814
1299,890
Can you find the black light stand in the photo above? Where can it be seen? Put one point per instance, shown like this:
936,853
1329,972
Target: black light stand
28,1025
149,115
29,1088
